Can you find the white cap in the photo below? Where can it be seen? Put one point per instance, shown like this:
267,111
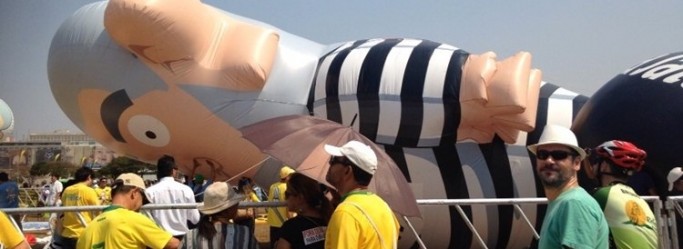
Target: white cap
358,153
555,134
673,176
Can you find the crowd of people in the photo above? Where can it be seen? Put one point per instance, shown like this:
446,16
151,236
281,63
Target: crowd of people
347,216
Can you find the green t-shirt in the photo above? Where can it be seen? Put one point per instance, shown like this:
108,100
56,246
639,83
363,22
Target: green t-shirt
630,219
574,220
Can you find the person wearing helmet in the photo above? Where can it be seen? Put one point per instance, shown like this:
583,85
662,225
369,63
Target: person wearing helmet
631,221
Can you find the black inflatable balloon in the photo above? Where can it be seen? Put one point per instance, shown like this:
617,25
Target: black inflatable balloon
643,105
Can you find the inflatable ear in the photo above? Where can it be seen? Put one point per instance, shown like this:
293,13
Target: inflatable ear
6,116
188,42
643,105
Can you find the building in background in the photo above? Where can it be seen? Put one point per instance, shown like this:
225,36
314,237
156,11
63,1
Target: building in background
62,145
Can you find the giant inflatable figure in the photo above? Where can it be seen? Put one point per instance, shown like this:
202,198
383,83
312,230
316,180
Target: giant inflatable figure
6,118
147,78
644,105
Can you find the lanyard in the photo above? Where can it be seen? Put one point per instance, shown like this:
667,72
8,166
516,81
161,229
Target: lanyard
355,192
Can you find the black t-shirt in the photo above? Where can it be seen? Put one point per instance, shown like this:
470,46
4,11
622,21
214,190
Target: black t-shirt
304,232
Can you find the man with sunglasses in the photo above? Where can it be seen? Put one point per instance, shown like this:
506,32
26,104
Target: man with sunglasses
121,226
573,218
362,219
631,221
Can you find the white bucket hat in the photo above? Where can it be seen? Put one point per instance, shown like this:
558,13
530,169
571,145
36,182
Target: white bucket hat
556,134
673,176
219,196
358,153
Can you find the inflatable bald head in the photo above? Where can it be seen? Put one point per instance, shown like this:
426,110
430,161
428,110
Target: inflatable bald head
643,105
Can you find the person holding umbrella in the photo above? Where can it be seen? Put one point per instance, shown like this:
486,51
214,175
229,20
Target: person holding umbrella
362,219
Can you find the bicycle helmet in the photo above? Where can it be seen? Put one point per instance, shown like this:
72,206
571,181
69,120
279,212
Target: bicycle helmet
623,155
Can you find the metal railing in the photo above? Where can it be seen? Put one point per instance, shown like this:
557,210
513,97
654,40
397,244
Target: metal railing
667,230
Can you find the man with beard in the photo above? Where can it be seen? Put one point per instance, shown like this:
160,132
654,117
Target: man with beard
573,218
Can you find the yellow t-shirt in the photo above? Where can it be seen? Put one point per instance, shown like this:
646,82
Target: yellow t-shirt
10,237
121,228
277,216
78,194
104,194
349,227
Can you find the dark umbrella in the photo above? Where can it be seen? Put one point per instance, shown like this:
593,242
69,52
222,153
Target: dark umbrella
298,141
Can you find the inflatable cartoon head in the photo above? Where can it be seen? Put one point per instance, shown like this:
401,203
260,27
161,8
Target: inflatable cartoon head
643,105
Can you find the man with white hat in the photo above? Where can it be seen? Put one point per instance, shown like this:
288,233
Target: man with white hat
675,179
121,226
573,218
362,219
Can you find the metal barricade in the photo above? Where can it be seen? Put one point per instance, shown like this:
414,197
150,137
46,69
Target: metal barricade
665,226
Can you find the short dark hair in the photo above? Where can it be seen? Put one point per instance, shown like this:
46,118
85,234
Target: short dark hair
55,174
119,188
4,177
83,173
165,166
362,178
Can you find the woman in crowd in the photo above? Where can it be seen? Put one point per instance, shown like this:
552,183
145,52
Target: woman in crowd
216,228
305,196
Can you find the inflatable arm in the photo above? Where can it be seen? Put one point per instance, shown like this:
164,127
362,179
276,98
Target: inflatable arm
440,94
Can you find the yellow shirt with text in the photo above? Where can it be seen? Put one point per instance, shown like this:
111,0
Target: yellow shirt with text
104,194
121,228
78,194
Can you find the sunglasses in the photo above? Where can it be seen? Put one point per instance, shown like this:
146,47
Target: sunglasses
339,160
556,154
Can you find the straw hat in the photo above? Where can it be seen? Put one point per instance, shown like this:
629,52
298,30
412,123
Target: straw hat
555,134
219,196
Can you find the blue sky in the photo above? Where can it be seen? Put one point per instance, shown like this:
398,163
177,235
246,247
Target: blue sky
579,45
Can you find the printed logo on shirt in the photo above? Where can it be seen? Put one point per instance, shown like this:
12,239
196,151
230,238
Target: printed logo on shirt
313,235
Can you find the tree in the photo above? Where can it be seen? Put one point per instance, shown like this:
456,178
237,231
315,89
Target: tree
121,165
64,169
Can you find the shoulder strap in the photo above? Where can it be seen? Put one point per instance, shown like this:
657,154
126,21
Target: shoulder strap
276,196
381,240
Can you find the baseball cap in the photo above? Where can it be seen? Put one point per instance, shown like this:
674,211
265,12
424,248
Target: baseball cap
285,171
130,179
556,134
358,153
673,176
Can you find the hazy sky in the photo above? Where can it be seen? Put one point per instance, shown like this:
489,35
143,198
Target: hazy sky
579,45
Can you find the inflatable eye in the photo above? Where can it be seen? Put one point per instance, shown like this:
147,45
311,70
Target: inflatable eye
149,130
